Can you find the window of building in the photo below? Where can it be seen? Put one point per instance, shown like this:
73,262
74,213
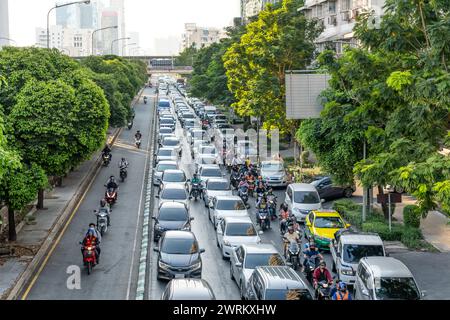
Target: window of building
332,7
346,5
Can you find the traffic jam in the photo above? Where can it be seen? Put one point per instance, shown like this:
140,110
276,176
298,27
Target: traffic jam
271,239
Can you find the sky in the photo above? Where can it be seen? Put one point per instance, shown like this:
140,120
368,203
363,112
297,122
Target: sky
155,20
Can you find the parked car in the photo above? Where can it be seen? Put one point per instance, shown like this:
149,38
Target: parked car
301,198
385,278
179,256
158,171
274,173
349,248
276,283
328,190
188,290
226,206
171,216
247,257
321,226
234,231
216,187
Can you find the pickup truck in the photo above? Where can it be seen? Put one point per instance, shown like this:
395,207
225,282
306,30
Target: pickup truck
348,247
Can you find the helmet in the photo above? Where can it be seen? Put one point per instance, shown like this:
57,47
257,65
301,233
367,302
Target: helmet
306,246
123,159
323,263
291,229
92,225
259,178
195,175
342,286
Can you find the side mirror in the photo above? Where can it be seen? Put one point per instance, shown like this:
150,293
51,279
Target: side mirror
156,249
192,219
154,218
95,211
365,292
202,250
157,196
238,265
322,200
188,180
261,232
424,293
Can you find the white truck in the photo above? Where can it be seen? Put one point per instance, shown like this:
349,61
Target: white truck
348,247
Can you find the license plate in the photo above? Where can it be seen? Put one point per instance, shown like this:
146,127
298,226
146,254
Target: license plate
179,276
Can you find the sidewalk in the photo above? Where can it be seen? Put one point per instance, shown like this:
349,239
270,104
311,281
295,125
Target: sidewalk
31,237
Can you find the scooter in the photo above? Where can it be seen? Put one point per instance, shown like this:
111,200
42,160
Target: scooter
272,202
102,220
138,143
123,174
311,264
145,100
89,257
243,193
263,220
111,196
106,159
323,291
196,191
293,254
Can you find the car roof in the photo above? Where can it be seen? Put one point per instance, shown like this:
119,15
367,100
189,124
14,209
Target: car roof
174,171
326,213
171,138
221,198
217,180
187,288
245,219
302,187
174,186
280,277
177,234
166,148
361,239
259,248
386,267
210,166
168,162
172,205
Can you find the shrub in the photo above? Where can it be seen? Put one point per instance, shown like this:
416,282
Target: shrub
383,230
411,216
345,205
412,237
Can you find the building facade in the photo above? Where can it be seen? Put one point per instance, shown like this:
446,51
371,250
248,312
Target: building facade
251,8
339,18
109,18
4,23
199,37
119,7
73,42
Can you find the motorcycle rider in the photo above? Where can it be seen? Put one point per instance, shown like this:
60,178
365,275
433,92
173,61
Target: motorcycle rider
342,293
92,237
112,184
138,135
195,180
236,161
284,216
310,251
270,196
104,205
123,164
262,208
322,274
107,151
289,237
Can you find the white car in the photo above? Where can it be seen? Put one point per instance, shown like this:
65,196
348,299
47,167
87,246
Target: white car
206,155
172,192
197,144
160,168
165,154
209,171
172,142
196,134
174,177
226,206
301,199
274,173
216,187
235,231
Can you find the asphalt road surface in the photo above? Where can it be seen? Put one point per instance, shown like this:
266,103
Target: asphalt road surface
115,277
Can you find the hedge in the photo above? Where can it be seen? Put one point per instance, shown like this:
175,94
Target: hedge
411,216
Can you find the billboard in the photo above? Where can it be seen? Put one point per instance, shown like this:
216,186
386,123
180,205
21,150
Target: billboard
302,94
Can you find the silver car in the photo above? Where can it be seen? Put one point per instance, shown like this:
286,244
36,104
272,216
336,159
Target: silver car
209,171
247,257
172,192
158,171
174,177
165,154
273,173
216,187
172,142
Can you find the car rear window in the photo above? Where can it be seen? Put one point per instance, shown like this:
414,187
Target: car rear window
218,185
231,205
240,230
306,197
288,294
174,194
179,246
174,177
211,172
163,167
173,214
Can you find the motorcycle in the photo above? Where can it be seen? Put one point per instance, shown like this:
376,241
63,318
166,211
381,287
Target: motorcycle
130,125
138,143
102,220
111,196
89,257
272,202
243,193
196,191
263,220
251,186
323,291
106,159
293,254
311,263
145,100
235,179
123,174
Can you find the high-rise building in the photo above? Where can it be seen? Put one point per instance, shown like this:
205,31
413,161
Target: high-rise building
199,36
110,18
73,42
89,16
251,8
339,18
4,23
69,16
119,7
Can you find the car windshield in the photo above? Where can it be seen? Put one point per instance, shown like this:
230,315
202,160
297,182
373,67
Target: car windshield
166,121
288,294
306,197
179,246
272,167
174,177
329,223
174,194
396,288
165,130
230,205
211,173
164,104
208,150
218,186
163,167
188,115
171,142
165,153
353,252
172,214
260,260
240,230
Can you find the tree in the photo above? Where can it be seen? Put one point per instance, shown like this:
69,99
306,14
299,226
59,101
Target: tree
186,57
280,39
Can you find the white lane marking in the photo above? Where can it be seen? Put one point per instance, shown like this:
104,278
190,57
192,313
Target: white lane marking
137,222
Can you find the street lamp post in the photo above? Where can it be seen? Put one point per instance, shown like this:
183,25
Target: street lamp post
112,27
56,7
126,45
8,39
116,40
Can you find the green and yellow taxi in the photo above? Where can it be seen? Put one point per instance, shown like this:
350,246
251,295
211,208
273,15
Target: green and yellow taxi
321,225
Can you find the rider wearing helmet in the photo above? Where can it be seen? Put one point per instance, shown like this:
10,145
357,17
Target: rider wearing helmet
138,135
195,181
112,184
105,206
92,237
310,251
322,274
290,236
123,164
342,293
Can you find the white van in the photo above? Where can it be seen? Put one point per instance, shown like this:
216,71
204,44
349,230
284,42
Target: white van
301,199
210,111
349,248
385,278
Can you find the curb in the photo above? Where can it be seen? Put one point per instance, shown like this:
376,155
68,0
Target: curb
32,267
146,237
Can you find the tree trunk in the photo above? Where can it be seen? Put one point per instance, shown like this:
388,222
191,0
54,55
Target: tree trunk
40,204
12,236
384,206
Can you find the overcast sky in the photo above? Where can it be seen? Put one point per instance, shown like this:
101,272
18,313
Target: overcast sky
153,19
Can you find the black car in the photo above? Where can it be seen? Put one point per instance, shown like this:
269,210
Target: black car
171,216
179,256
328,190
188,289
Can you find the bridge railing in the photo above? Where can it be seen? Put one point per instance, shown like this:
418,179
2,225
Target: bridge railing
170,68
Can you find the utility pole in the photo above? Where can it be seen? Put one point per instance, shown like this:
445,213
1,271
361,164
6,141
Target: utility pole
365,198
